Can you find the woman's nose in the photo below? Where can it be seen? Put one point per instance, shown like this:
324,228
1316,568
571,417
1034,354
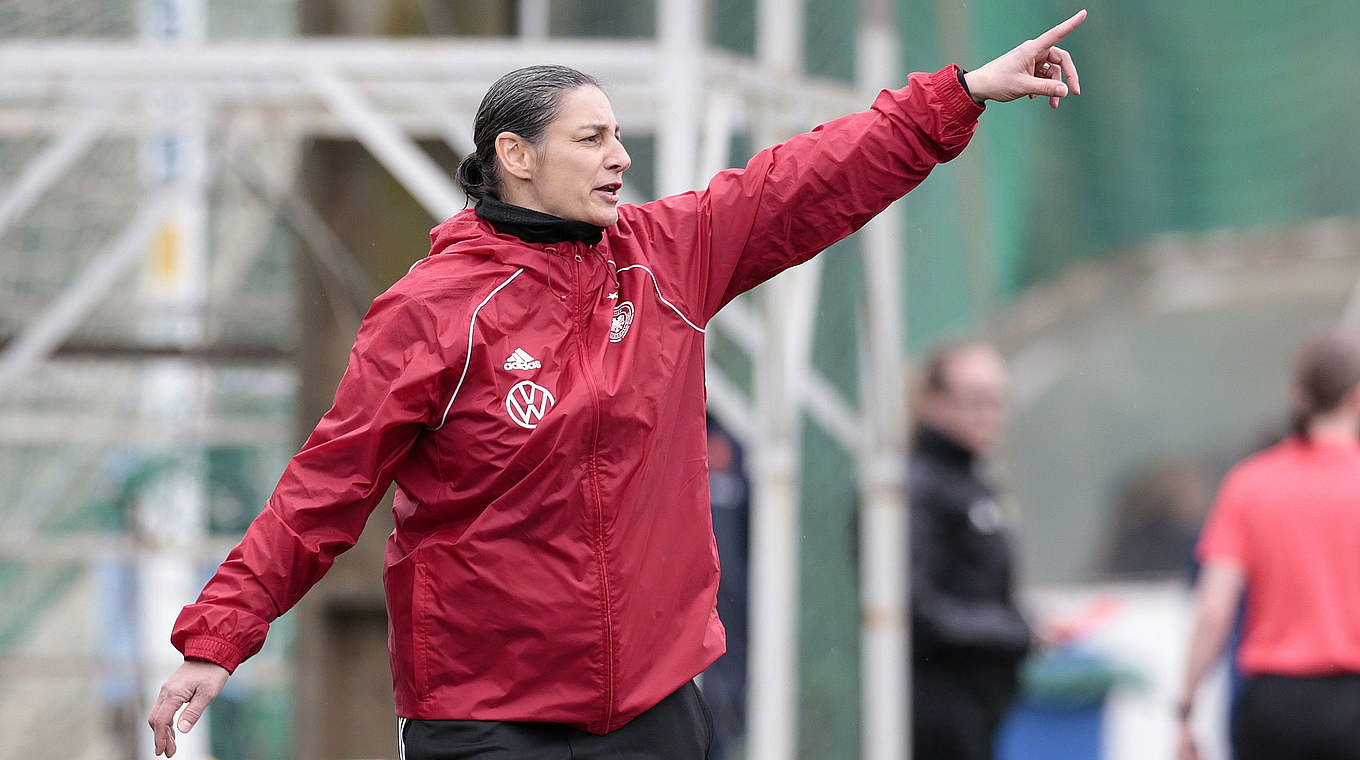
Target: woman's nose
619,160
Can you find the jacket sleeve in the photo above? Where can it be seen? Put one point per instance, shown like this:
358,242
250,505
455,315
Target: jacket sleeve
795,199
940,618
320,505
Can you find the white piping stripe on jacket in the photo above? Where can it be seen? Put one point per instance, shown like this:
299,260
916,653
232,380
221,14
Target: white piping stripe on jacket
472,325
657,285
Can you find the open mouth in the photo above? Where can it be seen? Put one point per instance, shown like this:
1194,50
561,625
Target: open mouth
610,191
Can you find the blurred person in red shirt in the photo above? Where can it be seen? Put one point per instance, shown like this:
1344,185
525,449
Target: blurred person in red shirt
1284,534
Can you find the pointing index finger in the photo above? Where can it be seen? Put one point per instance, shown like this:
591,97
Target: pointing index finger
1052,36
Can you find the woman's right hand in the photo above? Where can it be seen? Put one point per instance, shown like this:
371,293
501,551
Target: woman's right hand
196,682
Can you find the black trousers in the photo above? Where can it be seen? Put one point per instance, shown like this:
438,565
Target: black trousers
957,709
679,727
1288,717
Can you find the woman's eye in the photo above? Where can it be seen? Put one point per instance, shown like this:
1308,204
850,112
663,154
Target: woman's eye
592,138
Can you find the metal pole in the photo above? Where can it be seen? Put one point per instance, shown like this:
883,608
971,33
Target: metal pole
325,247
411,166
171,512
884,645
714,146
47,168
826,406
772,703
534,19
725,401
52,327
729,405
411,82
823,401
680,37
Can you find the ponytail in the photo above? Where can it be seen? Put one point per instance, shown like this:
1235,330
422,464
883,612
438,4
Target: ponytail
1328,369
472,177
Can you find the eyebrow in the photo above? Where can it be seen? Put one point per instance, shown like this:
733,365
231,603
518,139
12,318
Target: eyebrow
598,127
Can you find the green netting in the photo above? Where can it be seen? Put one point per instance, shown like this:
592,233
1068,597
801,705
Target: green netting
32,590
829,615
829,38
732,25
1195,117
62,18
252,724
603,18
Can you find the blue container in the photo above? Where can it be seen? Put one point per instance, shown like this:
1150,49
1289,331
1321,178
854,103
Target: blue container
1061,708
1035,731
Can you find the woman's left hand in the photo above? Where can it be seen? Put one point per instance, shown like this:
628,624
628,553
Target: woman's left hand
1186,749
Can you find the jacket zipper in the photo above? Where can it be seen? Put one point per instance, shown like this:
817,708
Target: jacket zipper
592,475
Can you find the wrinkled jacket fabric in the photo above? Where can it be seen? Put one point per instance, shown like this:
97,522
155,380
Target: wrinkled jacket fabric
540,408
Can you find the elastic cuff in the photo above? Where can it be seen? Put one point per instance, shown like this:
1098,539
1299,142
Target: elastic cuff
963,81
948,86
214,650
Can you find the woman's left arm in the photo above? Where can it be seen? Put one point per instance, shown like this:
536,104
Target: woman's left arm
1217,597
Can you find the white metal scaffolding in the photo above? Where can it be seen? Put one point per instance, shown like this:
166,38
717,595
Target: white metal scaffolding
387,94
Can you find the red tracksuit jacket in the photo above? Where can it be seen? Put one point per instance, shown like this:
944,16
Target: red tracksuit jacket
541,410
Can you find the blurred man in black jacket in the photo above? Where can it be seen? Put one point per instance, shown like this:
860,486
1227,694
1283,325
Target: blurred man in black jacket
967,636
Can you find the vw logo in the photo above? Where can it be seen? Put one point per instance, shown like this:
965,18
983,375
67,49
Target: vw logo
527,402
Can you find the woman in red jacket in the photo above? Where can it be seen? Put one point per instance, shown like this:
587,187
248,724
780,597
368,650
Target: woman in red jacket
1285,532
535,389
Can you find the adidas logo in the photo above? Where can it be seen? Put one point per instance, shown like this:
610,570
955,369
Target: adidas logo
522,360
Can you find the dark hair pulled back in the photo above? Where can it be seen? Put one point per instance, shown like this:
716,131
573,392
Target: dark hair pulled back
1328,368
934,376
524,101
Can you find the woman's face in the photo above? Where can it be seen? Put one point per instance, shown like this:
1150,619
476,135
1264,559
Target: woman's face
578,165
971,409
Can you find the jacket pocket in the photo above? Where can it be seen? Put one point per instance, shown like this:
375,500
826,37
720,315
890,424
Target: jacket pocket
422,653
399,583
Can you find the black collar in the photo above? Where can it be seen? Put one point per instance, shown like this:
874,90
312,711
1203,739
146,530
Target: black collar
535,226
935,443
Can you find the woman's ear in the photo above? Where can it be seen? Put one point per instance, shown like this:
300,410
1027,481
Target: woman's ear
515,155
